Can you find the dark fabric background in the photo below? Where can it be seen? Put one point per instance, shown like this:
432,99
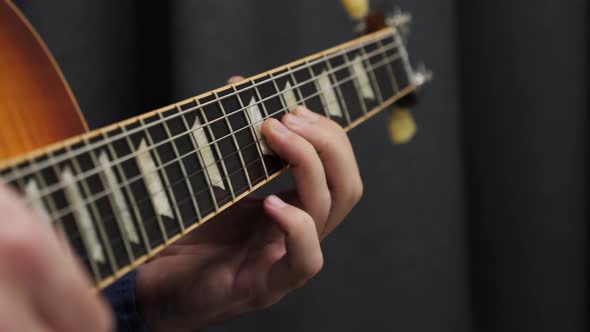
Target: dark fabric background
478,224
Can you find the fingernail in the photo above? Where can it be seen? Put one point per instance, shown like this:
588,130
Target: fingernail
305,113
279,128
294,120
275,202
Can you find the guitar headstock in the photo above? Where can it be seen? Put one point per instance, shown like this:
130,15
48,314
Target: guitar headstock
402,127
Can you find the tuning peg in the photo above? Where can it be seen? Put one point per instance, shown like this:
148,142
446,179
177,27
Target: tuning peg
402,127
421,75
356,9
399,19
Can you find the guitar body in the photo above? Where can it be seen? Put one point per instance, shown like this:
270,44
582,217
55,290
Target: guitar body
37,107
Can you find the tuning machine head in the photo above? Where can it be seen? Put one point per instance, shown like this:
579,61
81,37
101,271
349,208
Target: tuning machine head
370,20
402,127
356,9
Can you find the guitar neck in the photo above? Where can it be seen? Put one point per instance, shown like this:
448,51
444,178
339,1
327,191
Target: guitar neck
122,193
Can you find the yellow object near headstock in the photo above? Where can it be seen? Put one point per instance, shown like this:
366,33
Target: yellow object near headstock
356,9
402,126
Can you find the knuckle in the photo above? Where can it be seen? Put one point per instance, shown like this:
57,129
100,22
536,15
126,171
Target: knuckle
325,140
306,220
311,268
357,190
336,127
315,265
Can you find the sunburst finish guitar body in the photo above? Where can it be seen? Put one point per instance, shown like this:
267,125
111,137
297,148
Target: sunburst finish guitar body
122,193
36,105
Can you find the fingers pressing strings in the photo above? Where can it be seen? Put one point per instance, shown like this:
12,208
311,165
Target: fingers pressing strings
337,157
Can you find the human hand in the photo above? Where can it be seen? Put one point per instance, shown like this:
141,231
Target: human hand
42,286
257,251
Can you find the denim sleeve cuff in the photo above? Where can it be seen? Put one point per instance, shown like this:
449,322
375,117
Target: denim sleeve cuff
121,296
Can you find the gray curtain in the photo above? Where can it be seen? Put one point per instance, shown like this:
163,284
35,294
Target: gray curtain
478,225
525,104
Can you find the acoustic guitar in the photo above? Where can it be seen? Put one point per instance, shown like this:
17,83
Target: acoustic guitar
121,194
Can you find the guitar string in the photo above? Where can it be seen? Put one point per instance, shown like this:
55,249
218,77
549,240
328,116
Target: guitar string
176,231
118,161
56,215
183,181
187,200
33,168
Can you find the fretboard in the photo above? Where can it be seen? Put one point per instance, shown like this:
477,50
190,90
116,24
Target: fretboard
122,193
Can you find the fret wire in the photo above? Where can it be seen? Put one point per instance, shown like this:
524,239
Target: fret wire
51,204
371,75
201,161
162,169
122,230
156,171
185,200
216,146
283,102
182,170
50,201
362,102
235,141
133,200
252,132
337,53
339,92
392,78
296,87
181,201
93,266
19,181
278,95
403,52
94,211
226,173
322,98
137,178
22,185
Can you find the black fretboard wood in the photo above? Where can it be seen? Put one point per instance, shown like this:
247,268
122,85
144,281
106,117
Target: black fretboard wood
142,183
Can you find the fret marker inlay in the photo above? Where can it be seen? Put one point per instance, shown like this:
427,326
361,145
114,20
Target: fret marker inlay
289,97
256,120
123,212
82,216
33,195
207,154
148,168
327,90
363,78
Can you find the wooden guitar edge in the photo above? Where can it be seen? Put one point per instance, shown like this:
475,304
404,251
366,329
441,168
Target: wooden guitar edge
49,55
